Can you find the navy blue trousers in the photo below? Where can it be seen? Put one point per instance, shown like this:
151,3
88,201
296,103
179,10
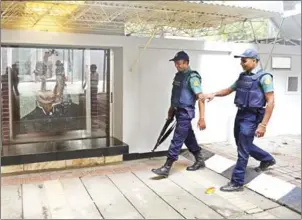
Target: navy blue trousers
246,123
183,134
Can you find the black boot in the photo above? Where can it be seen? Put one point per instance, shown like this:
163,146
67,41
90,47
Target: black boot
231,187
199,162
265,164
165,169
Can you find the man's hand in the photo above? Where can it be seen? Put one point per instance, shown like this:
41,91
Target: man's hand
210,96
260,131
220,93
201,124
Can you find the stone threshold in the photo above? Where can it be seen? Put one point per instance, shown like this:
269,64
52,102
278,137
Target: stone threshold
60,165
61,154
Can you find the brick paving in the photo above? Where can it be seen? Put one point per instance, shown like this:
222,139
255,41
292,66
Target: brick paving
286,149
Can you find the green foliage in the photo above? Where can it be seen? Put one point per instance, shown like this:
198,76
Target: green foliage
241,31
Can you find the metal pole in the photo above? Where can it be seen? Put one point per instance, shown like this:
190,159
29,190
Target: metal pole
141,52
255,38
270,54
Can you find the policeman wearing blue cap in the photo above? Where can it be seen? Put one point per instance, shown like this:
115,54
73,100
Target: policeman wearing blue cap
255,101
185,92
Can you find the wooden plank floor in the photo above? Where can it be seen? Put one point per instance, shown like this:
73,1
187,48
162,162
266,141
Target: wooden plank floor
131,192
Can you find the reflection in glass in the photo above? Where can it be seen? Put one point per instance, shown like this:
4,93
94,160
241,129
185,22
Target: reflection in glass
53,92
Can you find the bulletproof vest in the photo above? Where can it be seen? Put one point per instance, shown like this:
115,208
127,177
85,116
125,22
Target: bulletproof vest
249,93
182,94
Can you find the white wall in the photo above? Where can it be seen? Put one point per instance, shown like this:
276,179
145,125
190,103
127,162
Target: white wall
142,96
287,114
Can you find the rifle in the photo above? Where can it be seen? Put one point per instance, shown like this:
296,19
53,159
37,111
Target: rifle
163,136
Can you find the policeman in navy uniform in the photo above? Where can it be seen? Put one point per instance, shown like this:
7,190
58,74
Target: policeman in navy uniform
255,101
185,92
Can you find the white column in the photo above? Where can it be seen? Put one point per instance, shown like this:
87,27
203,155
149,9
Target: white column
0,99
9,64
33,61
111,118
88,90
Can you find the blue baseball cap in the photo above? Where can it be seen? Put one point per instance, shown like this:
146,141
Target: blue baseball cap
249,53
181,55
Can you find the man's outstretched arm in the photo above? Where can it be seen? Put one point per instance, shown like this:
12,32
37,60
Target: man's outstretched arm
223,92
220,93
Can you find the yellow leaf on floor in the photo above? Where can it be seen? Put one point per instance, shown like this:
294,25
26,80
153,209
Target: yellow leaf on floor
210,190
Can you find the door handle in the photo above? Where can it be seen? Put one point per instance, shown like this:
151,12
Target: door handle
111,97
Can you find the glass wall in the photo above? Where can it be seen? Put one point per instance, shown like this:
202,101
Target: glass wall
51,93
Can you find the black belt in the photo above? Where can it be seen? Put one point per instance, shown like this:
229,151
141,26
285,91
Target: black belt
178,108
255,110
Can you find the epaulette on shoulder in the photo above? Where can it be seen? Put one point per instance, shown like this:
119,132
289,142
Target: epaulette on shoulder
256,76
194,73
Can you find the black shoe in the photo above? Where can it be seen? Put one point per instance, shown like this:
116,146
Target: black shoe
199,162
165,169
265,164
231,187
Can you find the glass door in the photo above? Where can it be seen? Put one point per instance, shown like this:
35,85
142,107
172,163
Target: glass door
97,90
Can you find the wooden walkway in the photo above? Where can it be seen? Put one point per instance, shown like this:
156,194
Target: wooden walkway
133,193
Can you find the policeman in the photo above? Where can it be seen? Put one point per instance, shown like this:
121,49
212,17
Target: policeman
254,91
186,90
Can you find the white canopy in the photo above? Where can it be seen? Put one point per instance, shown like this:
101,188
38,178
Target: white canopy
120,17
